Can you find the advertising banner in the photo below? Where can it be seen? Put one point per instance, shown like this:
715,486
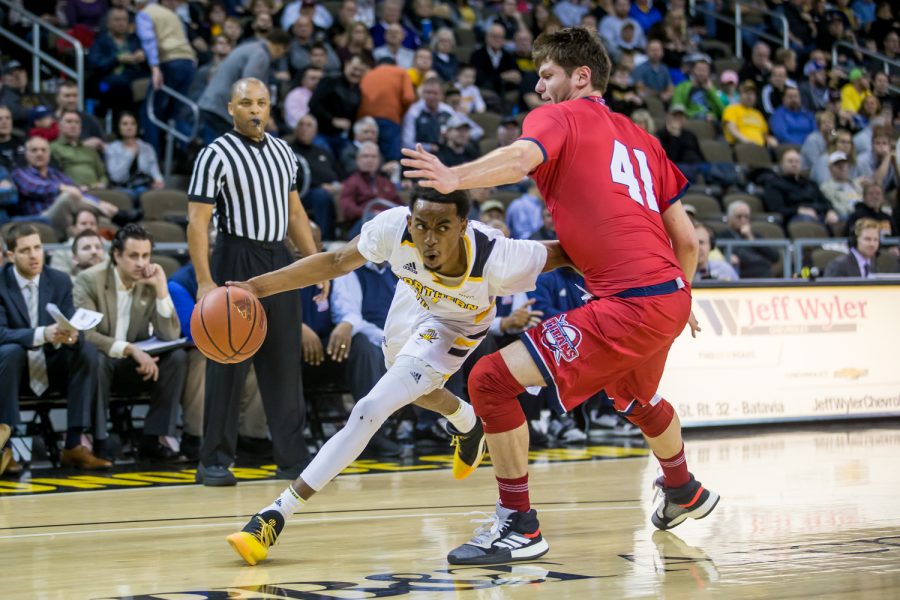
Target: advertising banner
787,354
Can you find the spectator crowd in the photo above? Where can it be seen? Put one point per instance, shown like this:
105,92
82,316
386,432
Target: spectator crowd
786,143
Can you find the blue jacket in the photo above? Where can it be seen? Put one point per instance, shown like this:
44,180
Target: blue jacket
557,292
791,126
183,289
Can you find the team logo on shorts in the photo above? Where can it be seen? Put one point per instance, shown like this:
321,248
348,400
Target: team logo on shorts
561,338
429,335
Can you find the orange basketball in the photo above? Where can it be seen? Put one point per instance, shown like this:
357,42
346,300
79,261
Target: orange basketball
228,325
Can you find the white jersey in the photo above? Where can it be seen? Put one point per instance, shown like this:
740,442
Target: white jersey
435,322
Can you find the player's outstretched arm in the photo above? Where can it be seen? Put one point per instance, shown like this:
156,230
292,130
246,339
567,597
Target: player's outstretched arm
556,256
306,271
505,165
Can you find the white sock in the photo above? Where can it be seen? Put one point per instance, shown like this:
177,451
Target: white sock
464,418
287,503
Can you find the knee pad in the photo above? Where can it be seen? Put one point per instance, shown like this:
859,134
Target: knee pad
493,391
424,377
653,418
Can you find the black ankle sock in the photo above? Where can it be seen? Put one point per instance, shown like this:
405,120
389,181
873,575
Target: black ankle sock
73,438
100,447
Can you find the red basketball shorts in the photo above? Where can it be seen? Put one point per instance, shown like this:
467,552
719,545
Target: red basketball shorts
615,344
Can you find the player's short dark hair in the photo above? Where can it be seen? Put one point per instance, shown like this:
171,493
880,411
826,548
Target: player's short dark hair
459,198
132,231
86,233
19,230
571,48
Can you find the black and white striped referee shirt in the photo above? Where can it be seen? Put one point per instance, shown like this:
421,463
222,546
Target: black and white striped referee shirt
249,183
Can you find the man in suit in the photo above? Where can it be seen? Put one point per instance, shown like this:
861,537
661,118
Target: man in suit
860,262
36,351
133,294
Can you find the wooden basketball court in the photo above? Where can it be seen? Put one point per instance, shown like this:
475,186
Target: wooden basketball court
804,513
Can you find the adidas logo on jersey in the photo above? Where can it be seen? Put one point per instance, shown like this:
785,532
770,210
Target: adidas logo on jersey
411,267
416,376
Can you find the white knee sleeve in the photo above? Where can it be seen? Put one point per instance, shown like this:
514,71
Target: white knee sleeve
406,381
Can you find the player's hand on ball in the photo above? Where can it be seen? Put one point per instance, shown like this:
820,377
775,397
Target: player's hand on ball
339,342
313,353
244,285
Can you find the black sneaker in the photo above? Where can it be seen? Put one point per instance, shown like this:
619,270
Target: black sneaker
257,536
469,449
691,500
507,536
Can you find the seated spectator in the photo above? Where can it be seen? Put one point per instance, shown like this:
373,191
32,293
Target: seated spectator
16,95
754,261
252,421
443,54
12,147
87,251
364,130
296,103
85,220
83,165
882,91
37,352
425,17
90,132
653,77
133,294
364,186
335,104
759,66
221,48
387,93
791,123
710,268
683,148
305,43
116,60
392,13
131,162
42,123
48,193
743,123
728,88
496,71
324,174
9,195
621,95
698,94
317,14
840,190
796,196
426,117
872,207
840,141
772,94
611,27
816,143
393,47
814,92
457,147
471,100
547,230
359,43
509,17
492,210
860,261
643,119
421,67
524,217
880,163
854,92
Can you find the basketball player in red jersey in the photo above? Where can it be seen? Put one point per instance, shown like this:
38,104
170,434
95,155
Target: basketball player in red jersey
614,198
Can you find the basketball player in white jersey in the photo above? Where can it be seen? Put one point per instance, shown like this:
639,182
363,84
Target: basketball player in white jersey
450,271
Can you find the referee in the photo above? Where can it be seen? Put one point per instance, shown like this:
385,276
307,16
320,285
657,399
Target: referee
249,179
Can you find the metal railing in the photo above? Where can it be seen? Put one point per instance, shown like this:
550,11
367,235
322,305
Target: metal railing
785,246
169,127
739,26
885,61
38,55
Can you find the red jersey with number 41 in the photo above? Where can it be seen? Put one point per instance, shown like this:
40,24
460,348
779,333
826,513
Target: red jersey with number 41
606,182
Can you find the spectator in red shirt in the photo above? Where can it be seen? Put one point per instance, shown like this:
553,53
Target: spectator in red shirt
365,185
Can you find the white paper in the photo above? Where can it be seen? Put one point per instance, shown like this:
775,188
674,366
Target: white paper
154,344
82,320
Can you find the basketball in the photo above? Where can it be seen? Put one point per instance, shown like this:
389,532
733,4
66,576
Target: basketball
228,325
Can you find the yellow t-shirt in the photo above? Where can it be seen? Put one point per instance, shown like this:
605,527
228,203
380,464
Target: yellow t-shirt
749,121
851,99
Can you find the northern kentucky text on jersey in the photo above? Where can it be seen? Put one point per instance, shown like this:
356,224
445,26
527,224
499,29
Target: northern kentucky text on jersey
423,291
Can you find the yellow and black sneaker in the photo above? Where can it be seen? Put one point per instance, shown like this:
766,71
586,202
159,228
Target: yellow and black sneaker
257,536
470,448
